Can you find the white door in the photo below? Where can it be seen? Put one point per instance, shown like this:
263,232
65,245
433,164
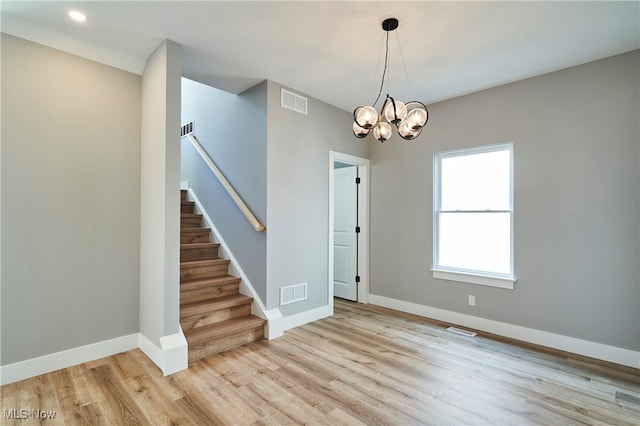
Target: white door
345,238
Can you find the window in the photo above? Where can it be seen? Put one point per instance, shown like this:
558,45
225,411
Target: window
473,215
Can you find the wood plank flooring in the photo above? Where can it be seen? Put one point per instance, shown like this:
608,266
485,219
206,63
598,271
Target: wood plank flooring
365,365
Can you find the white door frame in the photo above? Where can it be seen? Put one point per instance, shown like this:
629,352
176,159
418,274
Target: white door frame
363,165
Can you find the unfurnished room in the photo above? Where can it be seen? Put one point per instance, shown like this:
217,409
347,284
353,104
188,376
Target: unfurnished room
327,213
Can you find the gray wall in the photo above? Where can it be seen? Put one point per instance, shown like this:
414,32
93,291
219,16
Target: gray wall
233,131
160,194
298,195
278,161
577,186
70,201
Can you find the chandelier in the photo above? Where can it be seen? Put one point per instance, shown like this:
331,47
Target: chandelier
409,118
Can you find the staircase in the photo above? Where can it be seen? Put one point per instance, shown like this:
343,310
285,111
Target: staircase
213,314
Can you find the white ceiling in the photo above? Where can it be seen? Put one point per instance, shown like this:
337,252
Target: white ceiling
334,51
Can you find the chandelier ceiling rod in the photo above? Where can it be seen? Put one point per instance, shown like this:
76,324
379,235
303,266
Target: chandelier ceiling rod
387,25
408,118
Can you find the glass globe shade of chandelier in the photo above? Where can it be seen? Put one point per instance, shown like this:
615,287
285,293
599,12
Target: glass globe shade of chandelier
408,119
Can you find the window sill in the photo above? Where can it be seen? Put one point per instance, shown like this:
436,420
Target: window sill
465,277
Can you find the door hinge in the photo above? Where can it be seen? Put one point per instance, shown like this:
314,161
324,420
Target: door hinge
357,229
357,278
357,181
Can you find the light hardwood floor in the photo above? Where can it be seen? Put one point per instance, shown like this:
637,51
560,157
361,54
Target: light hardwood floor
364,365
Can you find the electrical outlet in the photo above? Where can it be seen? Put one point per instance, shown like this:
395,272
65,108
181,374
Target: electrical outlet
472,300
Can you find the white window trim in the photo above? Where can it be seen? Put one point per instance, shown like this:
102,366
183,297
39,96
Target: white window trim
506,282
454,274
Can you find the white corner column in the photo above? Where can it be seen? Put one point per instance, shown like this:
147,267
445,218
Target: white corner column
161,336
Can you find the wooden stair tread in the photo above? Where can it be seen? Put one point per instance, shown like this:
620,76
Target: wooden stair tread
218,303
190,220
195,263
208,282
207,333
198,245
187,206
194,235
203,269
188,215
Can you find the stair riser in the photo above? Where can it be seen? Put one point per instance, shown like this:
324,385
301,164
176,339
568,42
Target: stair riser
202,253
200,272
224,343
208,293
186,207
215,316
200,236
190,222
183,195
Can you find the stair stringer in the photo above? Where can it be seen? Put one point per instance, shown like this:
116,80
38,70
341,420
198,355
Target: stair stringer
274,318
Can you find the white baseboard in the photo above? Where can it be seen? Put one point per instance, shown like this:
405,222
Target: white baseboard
46,364
306,317
274,328
569,344
172,355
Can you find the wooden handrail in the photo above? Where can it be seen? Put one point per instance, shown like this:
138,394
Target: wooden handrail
227,186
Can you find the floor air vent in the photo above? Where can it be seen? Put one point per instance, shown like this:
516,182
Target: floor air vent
293,102
461,332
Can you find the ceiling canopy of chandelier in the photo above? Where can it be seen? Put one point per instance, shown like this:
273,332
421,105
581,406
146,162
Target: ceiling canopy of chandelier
409,118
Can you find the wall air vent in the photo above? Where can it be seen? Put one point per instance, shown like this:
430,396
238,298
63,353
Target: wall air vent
293,101
187,129
293,293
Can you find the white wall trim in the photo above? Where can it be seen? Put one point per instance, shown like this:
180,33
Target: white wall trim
306,317
464,277
172,355
275,324
363,165
569,344
47,363
274,316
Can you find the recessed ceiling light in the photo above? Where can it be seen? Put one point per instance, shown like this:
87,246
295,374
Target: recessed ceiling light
78,16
